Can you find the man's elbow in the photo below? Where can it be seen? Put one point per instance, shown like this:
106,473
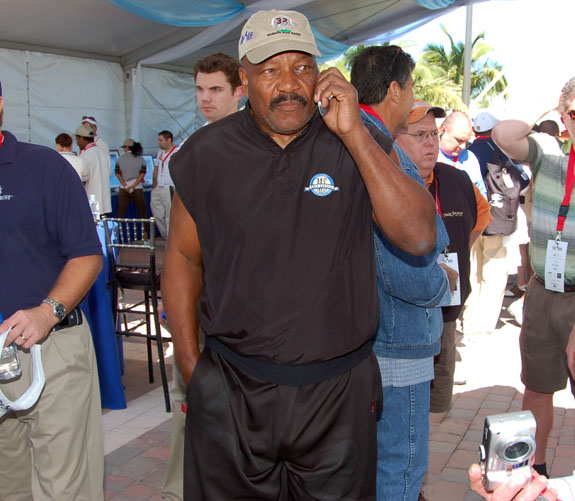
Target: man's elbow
498,136
417,240
422,242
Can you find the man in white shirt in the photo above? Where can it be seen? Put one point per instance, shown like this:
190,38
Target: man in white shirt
91,122
98,164
162,188
64,144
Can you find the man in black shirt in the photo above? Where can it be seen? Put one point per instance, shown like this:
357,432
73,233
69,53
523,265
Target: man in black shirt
271,250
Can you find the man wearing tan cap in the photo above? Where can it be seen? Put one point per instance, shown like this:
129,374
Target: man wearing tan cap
271,250
100,143
98,164
465,213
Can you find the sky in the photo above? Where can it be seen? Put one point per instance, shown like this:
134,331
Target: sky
532,39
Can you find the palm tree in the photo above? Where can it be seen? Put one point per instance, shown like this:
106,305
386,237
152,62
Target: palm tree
439,68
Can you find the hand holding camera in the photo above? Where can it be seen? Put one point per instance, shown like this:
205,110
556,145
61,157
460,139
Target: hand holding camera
506,455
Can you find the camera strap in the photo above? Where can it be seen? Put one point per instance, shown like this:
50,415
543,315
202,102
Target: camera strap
31,395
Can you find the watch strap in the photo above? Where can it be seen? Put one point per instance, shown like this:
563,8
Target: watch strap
58,309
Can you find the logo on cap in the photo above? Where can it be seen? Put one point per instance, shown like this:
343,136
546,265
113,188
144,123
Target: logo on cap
246,37
321,185
282,22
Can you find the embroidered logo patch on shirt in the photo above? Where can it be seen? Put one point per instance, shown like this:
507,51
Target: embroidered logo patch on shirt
321,185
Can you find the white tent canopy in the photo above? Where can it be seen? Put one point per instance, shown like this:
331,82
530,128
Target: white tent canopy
61,59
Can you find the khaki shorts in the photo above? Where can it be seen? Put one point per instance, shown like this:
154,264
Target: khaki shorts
548,318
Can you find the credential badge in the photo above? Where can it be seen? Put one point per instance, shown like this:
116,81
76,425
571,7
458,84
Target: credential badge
321,185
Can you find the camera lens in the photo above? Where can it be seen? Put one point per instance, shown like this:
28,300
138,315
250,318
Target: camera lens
517,451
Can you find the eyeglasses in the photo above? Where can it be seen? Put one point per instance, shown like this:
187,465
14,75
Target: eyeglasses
420,137
571,114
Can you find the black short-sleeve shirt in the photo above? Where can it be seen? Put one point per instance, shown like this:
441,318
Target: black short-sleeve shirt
286,240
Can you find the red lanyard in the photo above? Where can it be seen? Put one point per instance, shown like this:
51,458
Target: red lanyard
91,145
1,138
370,111
437,198
163,159
569,182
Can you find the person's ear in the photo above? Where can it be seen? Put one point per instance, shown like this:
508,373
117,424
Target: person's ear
244,79
394,91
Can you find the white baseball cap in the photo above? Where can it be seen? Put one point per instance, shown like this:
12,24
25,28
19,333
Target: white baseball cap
484,121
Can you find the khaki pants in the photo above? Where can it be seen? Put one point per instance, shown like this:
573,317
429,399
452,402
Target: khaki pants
161,204
488,275
54,451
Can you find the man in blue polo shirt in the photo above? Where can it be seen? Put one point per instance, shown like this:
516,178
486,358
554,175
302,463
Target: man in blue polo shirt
50,257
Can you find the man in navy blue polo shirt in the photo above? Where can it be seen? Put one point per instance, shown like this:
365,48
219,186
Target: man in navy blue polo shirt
50,255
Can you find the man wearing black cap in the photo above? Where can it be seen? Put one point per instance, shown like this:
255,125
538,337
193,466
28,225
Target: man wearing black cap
271,250
50,257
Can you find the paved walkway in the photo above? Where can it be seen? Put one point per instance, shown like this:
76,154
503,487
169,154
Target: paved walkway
137,438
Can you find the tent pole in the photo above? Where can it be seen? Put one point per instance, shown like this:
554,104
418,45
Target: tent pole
467,56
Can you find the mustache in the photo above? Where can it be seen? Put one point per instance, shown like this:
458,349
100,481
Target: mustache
276,101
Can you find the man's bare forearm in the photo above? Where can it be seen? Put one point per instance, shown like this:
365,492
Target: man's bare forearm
182,286
402,207
75,280
180,296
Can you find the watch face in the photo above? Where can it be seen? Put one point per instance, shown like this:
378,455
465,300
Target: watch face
60,311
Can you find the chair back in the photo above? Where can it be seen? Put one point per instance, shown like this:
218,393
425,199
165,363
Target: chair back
132,256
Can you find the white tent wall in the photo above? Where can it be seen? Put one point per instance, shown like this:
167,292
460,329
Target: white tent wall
45,94
168,103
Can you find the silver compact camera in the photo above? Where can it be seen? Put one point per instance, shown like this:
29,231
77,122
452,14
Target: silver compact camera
508,447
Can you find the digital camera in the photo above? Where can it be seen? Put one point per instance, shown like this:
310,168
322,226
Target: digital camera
508,447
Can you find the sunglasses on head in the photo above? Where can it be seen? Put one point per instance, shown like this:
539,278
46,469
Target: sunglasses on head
571,114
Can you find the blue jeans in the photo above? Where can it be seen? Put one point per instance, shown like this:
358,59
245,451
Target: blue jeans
402,436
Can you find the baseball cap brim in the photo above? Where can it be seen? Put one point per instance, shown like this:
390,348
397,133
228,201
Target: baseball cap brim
420,111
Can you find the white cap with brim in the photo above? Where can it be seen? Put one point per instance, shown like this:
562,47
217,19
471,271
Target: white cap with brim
268,33
484,121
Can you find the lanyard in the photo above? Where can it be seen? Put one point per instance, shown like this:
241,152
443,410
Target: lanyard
370,111
1,138
164,159
437,197
451,159
91,145
569,182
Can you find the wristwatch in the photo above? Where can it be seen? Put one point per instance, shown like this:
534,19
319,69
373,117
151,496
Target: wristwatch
57,308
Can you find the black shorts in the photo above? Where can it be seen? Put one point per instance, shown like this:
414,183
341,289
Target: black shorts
247,439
